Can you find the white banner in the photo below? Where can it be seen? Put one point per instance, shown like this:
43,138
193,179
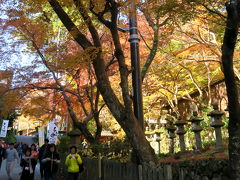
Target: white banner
52,133
41,136
4,128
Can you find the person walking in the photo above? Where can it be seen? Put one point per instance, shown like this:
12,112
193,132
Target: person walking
2,153
34,152
24,148
28,163
42,152
50,163
19,150
12,156
73,161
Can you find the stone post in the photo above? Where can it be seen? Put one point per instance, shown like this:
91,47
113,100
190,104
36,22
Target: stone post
180,132
196,128
75,137
158,137
148,134
216,122
171,135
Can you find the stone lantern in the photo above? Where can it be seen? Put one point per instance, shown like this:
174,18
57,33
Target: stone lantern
75,135
227,112
216,122
180,132
171,135
158,136
196,128
149,134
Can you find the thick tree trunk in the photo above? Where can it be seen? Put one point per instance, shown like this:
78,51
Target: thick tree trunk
122,113
136,136
124,117
229,42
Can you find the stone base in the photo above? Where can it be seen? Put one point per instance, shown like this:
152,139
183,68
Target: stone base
217,150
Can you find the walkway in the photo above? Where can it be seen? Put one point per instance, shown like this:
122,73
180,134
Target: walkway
17,172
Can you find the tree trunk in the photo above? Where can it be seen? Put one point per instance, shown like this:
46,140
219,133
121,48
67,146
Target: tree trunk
122,113
229,42
124,117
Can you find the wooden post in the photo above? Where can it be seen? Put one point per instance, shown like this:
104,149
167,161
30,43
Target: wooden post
140,172
99,167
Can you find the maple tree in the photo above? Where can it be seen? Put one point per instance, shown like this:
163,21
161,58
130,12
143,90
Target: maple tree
188,42
175,74
122,112
179,39
70,81
8,100
111,100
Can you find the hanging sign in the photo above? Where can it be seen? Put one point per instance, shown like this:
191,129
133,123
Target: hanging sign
41,136
4,128
52,133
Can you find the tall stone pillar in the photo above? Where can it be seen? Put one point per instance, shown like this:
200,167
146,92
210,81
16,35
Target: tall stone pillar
216,122
196,128
158,138
180,132
171,135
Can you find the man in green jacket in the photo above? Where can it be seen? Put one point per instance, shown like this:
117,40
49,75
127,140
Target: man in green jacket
73,161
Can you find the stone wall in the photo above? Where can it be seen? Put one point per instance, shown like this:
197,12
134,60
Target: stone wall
209,169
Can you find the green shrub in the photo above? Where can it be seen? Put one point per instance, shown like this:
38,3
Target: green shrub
10,138
114,149
208,144
162,156
63,144
209,154
177,155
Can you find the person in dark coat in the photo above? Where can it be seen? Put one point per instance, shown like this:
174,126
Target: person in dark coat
42,152
2,153
28,163
24,148
50,163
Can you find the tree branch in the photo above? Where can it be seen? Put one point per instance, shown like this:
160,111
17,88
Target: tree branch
101,14
153,49
68,23
88,22
213,11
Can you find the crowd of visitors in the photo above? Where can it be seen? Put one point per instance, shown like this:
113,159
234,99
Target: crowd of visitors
46,155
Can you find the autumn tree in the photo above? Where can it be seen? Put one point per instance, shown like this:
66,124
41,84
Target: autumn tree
122,111
107,13
90,22
70,79
229,43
